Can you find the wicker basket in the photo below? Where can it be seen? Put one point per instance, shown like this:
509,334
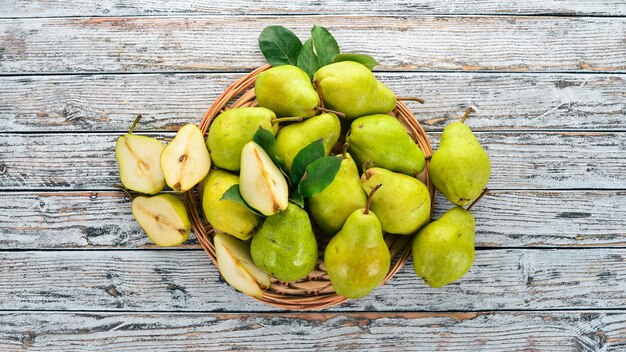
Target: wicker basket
315,291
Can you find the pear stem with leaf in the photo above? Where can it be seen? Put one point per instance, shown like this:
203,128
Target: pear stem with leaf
122,188
419,100
468,111
369,198
485,191
132,127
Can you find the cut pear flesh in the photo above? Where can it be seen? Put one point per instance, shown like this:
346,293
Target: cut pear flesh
163,219
138,158
236,266
261,183
185,161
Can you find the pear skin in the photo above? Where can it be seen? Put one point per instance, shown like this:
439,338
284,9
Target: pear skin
331,207
382,140
226,216
402,203
287,91
232,129
460,168
443,251
351,88
285,246
294,137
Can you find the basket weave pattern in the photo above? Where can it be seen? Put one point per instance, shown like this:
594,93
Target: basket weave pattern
316,290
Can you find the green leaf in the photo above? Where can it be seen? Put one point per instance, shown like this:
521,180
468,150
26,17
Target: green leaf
319,174
266,140
296,198
363,59
279,45
233,194
306,156
307,60
325,45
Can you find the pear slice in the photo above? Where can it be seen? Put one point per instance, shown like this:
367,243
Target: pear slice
261,183
138,160
185,161
236,265
163,218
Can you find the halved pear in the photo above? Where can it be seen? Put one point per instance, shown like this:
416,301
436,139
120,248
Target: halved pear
138,160
261,183
185,161
236,265
163,218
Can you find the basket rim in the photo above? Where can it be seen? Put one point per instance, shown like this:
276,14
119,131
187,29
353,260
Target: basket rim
241,93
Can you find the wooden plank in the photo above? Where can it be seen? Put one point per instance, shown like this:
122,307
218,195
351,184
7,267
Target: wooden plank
503,101
520,160
174,280
149,44
488,331
56,220
59,8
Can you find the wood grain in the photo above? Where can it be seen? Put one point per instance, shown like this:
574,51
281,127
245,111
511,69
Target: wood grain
56,8
174,280
152,44
520,160
488,331
57,220
502,101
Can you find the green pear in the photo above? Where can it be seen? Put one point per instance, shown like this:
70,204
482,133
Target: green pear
443,251
226,216
294,137
138,158
236,266
287,91
331,207
351,88
357,258
460,168
185,161
285,246
403,202
232,129
261,183
163,218
382,140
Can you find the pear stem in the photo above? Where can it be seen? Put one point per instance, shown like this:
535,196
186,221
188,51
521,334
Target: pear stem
468,111
419,100
124,189
316,83
346,145
366,165
287,119
477,199
338,113
369,198
132,128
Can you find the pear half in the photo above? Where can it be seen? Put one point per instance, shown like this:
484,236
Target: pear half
236,265
138,160
163,219
261,183
185,161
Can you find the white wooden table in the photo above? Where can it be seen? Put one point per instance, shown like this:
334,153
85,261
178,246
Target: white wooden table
547,78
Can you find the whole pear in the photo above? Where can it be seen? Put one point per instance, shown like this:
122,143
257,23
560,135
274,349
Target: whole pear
403,202
331,207
139,160
285,246
443,251
232,129
163,218
225,215
357,257
460,168
351,88
383,140
292,138
287,91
